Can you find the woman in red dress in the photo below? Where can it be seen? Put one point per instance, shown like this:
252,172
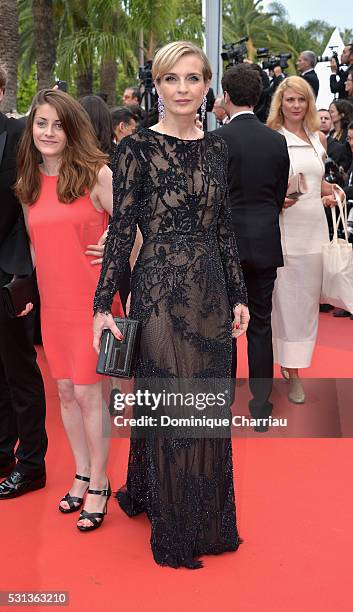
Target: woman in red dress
66,189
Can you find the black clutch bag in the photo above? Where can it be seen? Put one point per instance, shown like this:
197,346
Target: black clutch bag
118,357
19,292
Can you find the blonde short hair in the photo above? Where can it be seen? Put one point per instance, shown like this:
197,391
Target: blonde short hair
276,119
170,54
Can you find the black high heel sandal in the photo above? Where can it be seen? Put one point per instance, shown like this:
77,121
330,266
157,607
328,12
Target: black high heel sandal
95,516
72,500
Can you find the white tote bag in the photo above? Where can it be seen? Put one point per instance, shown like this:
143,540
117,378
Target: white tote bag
337,285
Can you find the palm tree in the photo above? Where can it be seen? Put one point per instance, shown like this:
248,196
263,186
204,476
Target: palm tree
246,18
109,18
73,28
9,51
157,18
347,36
188,23
45,47
99,37
96,38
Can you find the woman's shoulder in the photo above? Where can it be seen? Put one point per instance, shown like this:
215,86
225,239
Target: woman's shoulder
216,142
322,138
317,137
134,147
134,141
104,174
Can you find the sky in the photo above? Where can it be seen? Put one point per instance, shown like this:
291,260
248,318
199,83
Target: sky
338,14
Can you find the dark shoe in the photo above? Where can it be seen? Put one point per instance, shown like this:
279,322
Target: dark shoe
74,502
17,484
261,428
96,518
341,313
5,470
262,411
325,307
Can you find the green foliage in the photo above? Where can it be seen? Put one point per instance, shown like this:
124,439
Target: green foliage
188,23
27,87
123,82
88,32
247,18
347,35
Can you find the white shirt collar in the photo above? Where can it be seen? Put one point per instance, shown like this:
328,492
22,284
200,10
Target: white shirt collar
306,71
248,112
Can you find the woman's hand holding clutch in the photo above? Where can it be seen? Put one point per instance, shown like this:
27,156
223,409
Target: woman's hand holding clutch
288,202
241,320
296,188
104,320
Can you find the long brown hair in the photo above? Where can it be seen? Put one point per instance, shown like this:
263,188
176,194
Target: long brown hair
81,158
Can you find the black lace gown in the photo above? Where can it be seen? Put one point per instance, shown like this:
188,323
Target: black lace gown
183,287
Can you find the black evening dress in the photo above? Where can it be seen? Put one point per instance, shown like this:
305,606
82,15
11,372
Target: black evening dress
184,285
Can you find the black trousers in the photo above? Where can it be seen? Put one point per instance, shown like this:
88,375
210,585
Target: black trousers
22,399
259,284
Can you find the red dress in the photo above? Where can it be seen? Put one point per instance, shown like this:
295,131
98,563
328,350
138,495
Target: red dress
67,280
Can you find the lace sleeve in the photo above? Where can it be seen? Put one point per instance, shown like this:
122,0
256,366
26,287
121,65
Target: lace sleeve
122,227
233,273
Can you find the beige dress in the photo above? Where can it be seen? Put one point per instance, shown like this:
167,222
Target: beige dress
304,230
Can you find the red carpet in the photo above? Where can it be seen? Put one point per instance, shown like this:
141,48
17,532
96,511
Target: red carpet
295,513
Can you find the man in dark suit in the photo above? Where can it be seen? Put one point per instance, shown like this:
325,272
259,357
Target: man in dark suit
257,179
339,76
306,64
22,400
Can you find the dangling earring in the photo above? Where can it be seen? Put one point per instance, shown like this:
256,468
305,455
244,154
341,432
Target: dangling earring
161,110
203,109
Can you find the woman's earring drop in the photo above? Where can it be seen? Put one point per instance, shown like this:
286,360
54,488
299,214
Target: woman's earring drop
203,109
161,109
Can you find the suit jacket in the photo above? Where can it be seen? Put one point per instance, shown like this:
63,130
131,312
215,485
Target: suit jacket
312,78
258,167
339,152
14,250
338,86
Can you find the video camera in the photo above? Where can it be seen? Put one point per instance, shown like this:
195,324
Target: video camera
272,61
326,58
147,88
145,76
236,52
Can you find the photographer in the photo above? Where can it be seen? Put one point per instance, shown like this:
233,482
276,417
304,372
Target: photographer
338,77
275,64
306,64
277,76
262,108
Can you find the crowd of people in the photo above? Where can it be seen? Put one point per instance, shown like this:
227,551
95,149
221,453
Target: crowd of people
193,233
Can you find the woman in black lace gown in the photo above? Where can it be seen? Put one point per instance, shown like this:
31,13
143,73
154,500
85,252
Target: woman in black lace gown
171,180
